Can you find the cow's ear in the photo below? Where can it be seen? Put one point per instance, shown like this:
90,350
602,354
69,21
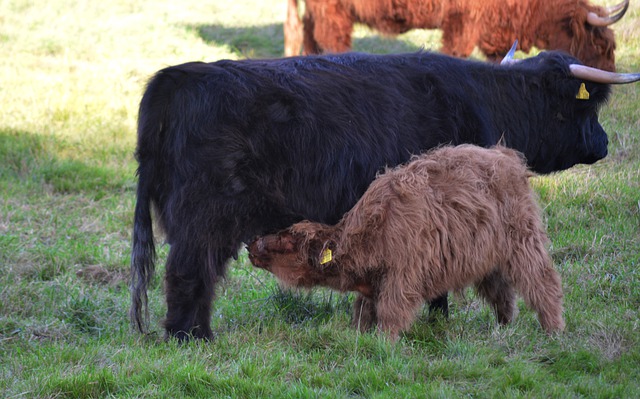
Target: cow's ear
583,93
590,96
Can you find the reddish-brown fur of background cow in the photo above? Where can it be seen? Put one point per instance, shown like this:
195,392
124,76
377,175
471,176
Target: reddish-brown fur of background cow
492,25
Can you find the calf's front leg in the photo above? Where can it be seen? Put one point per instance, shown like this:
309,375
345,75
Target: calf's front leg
396,308
364,313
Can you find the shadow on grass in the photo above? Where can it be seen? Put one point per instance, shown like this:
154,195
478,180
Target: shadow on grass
29,157
315,306
267,41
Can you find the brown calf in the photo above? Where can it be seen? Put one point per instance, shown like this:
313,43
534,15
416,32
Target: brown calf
452,218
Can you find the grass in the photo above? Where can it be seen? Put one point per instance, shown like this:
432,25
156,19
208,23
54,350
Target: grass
71,76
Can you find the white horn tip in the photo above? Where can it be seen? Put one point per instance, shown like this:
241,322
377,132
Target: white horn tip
508,59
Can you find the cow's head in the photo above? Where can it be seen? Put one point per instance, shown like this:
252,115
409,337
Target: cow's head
585,33
299,256
572,95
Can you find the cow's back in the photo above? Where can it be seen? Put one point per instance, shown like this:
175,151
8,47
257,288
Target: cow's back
287,139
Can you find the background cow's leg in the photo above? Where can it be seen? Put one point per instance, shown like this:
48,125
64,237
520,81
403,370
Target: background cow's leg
292,30
459,36
327,27
309,43
492,57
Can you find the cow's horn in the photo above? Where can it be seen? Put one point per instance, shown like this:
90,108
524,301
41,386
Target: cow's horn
600,76
596,20
508,59
617,7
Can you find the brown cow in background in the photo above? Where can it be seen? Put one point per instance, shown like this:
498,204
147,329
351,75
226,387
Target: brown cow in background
574,26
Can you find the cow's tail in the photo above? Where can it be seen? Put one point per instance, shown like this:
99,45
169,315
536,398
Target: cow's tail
151,124
143,256
292,30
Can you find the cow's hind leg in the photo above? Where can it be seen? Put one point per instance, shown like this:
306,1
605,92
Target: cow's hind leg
498,292
191,275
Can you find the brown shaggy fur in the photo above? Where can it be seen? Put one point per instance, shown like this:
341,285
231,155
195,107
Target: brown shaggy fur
492,25
454,217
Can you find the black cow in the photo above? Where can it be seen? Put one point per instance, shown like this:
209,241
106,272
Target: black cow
233,149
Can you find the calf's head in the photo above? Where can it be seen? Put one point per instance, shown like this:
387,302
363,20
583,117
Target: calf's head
299,256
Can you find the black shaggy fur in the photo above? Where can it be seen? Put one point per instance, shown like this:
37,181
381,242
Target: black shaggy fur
233,149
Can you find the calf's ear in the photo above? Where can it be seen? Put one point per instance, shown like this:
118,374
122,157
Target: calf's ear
322,253
281,243
287,243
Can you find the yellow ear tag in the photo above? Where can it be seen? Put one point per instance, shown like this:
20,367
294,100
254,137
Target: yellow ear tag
583,94
326,256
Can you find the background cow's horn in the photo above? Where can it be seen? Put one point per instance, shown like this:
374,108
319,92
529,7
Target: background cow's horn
600,76
508,59
617,7
596,20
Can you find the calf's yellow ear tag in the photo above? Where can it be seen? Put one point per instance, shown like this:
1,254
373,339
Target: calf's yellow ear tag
583,94
326,256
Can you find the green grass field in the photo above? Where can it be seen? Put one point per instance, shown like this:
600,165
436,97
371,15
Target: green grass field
71,75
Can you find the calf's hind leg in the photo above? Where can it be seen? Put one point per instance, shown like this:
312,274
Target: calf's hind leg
539,284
